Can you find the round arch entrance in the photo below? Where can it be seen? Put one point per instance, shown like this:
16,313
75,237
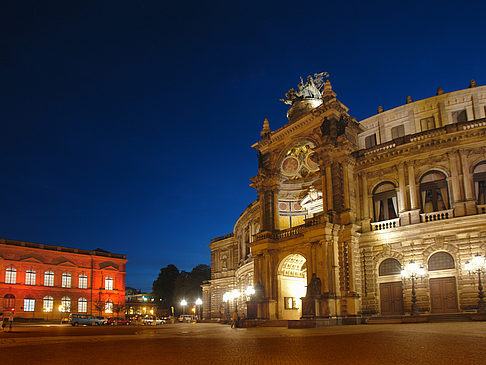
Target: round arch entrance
292,283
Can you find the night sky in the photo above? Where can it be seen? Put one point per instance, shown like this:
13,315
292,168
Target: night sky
127,125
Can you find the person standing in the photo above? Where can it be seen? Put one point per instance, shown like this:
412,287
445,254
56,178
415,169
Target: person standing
10,321
234,319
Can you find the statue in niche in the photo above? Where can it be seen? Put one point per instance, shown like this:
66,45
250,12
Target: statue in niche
224,262
314,287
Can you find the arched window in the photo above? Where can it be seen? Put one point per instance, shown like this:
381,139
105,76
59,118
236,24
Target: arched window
11,275
389,267
479,178
29,304
66,304
30,277
83,281
8,302
434,192
48,278
82,305
48,304
385,202
441,261
108,283
109,306
66,280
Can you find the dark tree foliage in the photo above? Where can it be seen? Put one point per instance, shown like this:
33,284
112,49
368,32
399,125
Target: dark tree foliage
163,287
172,286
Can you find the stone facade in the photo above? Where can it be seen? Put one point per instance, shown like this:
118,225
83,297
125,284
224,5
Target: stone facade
354,203
37,279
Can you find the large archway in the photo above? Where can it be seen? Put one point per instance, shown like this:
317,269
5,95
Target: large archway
292,282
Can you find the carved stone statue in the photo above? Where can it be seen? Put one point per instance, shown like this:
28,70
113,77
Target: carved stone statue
311,89
314,287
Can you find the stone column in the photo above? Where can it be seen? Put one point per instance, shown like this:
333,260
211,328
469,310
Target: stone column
366,210
414,205
329,198
402,196
459,209
470,199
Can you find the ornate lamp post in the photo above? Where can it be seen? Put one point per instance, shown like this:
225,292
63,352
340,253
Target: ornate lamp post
234,295
226,298
198,306
413,271
478,265
250,290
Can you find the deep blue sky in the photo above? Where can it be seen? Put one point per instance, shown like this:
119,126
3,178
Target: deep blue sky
128,125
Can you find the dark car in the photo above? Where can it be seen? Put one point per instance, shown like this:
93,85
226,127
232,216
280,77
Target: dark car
118,321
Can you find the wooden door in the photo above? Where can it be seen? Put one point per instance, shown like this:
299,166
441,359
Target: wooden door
391,298
443,295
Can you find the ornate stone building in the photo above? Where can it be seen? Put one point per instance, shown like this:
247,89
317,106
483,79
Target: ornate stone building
343,206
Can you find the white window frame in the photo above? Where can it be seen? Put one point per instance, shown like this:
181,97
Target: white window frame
83,281
66,280
49,278
66,304
82,305
30,276
109,283
48,304
29,305
109,306
11,275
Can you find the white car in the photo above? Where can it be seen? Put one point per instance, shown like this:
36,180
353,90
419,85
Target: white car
150,321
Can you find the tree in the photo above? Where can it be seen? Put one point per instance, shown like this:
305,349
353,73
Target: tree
163,286
118,307
99,305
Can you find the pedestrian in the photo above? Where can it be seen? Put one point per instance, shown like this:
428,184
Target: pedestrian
4,322
234,319
10,321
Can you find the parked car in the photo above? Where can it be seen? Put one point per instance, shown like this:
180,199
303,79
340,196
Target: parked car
83,319
186,318
118,321
103,320
150,321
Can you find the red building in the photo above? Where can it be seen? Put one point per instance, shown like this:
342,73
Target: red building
49,282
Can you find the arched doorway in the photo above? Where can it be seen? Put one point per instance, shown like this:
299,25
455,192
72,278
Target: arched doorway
443,291
292,283
391,292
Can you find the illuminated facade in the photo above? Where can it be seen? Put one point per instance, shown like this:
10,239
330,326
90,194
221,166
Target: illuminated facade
140,304
49,282
343,206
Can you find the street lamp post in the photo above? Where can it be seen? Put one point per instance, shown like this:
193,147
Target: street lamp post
478,265
235,294
413,271
198,306
226,298
183,304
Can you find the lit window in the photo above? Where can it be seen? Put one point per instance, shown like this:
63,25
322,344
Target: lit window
48,278
29,304
11,275
108,283
82,305
48,304
66,304
8,302
479,178
370,141
290,303
66,280
109,306
83,281
30,277
434,192
385,202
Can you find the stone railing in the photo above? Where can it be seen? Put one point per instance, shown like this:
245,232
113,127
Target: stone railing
437,216
379,148
314,221
391,223
474,124
290,232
